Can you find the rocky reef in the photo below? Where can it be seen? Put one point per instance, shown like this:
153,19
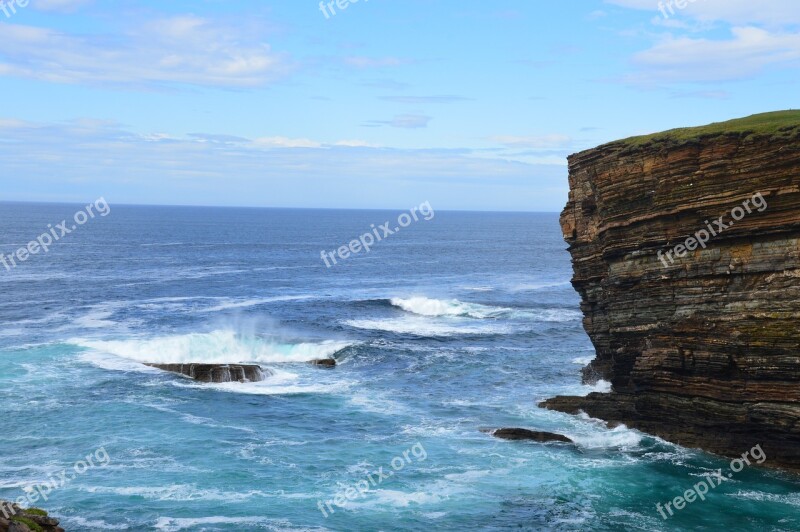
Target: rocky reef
217,372
323,362
14,518
517,434
686,254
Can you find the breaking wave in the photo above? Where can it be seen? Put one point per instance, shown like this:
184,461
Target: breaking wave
424,306
218,347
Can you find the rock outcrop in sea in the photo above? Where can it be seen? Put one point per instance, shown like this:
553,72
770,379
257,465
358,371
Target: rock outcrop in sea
518,434
324,362
217,372
694,317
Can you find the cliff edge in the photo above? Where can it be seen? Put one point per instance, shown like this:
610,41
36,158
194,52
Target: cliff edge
686,254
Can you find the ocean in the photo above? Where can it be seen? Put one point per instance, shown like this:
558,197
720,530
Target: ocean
448,326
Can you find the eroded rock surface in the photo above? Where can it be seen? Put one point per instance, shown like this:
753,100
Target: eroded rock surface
217,372
704,351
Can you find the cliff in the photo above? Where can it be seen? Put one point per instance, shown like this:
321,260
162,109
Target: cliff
685,251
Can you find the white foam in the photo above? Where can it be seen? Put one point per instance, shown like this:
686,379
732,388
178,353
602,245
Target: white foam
530,287
600,386
280,383
176,492
269,388
377,404
554,314
792,499
218,347
469,476
583,360
395,498
94,524
453,308
424,306
424,327
114,363
618,437
96,319
434,493
583,390
175,524
229,304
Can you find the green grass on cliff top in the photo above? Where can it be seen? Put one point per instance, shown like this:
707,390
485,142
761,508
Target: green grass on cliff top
768,124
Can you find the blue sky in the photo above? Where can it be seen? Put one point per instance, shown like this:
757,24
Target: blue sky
467,104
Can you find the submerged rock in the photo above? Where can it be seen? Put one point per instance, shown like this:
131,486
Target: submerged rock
324,362
217,372
530,435
684,248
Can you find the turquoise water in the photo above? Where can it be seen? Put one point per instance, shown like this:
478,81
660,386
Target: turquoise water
453,325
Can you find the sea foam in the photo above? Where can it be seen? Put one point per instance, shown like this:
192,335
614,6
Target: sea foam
218,347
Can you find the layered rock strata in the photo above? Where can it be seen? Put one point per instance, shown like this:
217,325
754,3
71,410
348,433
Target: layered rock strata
701,346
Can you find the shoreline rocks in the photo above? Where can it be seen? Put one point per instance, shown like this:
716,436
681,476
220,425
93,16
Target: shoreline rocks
14,518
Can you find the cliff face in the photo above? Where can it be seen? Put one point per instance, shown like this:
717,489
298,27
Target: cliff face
700,342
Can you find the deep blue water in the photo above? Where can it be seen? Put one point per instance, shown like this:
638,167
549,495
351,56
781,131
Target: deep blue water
452,325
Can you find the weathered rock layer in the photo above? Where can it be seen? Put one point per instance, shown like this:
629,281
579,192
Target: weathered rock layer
703,351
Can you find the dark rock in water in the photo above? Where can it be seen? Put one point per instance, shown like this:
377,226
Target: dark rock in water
324,362
530,435
217,372
13,518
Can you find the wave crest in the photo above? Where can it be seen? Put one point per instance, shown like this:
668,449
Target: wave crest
218,347
424,306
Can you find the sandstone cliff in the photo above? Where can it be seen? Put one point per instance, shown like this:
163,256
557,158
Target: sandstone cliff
702,348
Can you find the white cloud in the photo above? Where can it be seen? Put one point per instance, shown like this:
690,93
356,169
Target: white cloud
284,142
353,144
762,35
542,142
182,49
405,121
686,59
777,13
417,100
79,158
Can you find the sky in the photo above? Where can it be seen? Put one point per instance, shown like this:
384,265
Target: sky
385,104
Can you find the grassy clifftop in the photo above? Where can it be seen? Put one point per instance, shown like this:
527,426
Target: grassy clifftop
778,123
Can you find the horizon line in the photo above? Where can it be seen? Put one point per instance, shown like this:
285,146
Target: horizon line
29,202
